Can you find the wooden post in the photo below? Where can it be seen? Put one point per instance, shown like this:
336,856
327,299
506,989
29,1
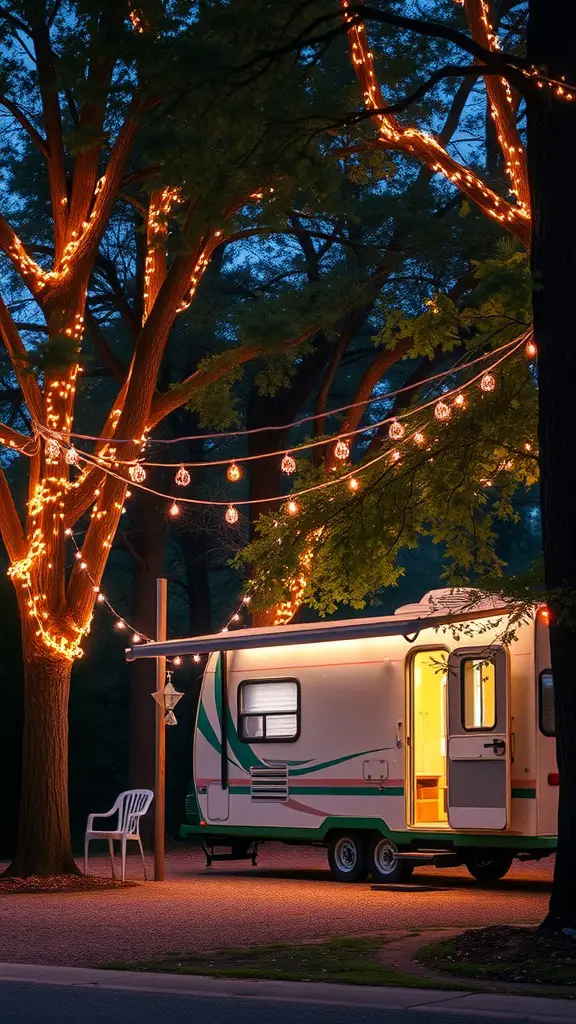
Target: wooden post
160,775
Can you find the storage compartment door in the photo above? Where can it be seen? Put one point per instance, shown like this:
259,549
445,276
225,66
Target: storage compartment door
217,802
478,739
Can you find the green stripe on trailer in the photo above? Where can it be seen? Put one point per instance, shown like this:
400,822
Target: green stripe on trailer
523,794
517,842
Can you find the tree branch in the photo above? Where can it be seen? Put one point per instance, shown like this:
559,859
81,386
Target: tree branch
19,359
166,403
10,525
47,81
28,127
110,359
426,148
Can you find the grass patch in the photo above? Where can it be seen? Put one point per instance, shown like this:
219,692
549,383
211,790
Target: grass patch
503,953
351,961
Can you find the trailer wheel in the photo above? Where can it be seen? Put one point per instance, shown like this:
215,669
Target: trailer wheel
488,866
384,864
347,857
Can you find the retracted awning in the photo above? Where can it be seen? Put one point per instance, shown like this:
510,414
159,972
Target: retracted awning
307,633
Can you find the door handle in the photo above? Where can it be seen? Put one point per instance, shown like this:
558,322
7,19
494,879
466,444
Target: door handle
498,746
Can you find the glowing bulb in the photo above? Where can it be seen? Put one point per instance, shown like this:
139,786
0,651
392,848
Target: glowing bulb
182,477
137,473
196,657
442,411
52,449
231,516
71,457
136,638
120,624
292,508
177,660
531,350
459,401
236,618
353,483
83,565
395,456
396,430
101,598
246,599
488,382
77,555
234,473
288,464
419,437
342,450
174,509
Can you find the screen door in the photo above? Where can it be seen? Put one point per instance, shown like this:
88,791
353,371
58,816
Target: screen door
478,738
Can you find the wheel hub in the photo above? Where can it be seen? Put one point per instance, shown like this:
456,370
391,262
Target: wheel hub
346,854
385,856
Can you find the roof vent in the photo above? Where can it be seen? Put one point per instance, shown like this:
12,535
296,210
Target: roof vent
456,599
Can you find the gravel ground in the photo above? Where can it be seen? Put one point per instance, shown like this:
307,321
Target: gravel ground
288,896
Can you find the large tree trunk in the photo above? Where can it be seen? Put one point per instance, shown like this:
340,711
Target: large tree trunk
44,846
552,159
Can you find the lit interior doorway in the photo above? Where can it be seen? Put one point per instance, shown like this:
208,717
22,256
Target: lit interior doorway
429,670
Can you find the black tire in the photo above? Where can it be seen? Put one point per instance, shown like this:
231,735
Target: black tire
347,857
488,866
383,863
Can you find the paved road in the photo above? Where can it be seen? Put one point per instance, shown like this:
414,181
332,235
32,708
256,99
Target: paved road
46,1004
288,896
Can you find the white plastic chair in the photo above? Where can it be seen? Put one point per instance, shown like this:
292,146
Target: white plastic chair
130,807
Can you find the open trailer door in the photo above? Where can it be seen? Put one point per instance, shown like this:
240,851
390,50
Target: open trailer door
478,739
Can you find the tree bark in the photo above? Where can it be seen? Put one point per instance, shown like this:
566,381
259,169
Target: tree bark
44,846
552,158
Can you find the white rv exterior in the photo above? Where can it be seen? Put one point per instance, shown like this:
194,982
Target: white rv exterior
391,750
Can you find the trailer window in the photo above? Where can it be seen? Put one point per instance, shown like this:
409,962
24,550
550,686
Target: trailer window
269,710
478,694
546,702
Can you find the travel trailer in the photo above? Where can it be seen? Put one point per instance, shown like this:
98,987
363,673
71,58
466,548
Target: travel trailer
423,737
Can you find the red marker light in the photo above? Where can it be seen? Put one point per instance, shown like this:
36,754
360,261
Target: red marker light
553,779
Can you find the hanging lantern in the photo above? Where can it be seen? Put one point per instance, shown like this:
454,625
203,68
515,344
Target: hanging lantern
288,464
396,430
71,457
168,699
488,382
234,473
52,449
442,411
342,450
292,508
137,473
182,477
174,509
232,515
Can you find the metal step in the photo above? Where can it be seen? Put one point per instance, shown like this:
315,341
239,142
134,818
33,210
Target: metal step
208,848
437,858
